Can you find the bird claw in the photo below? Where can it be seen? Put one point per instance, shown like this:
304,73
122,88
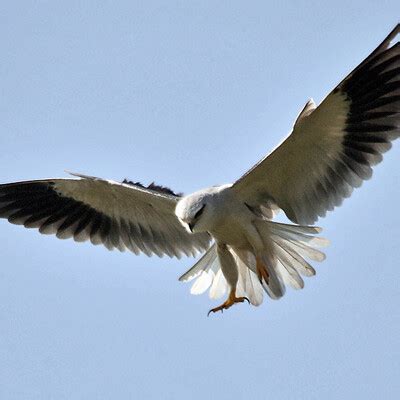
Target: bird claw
228,303
216,309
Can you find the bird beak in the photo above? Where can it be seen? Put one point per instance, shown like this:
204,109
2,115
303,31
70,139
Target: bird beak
191,225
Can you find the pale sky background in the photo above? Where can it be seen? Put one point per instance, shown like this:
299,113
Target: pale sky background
189,94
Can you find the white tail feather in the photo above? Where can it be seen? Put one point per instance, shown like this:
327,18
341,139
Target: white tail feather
203,264
219,286
301,265
298,236
202,283
275,286
286,247
248,285
305,250
288,270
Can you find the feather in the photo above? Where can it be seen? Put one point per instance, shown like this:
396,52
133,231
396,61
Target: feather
118,215
334,146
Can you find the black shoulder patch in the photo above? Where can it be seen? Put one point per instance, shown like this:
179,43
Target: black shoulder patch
153,186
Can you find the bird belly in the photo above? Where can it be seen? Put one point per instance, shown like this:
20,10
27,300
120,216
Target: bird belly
232,234
234,225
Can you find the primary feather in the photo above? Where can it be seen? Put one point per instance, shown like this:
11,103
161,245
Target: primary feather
330,151
118,215
332,147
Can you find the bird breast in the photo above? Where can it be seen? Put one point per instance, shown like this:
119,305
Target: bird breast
230,220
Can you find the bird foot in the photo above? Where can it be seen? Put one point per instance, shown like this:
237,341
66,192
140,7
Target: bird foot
228,303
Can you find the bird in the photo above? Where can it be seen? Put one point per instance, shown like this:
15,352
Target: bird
244,253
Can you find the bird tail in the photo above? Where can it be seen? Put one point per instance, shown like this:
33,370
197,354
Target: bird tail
289,247
207,272
286,249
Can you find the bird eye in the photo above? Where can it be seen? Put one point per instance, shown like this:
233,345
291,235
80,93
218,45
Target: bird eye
197,215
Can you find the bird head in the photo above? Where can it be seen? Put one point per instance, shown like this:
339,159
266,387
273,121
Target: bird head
198,212
192,211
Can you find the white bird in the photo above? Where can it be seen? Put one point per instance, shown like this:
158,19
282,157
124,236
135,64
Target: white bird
330,151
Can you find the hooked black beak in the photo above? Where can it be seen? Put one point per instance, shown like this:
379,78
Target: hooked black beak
191,225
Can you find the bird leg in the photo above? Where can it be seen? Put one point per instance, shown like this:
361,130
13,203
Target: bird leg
262,272
231,300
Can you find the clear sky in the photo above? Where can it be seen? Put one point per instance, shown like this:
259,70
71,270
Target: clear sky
189,94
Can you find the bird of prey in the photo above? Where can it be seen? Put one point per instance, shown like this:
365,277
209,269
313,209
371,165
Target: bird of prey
330,151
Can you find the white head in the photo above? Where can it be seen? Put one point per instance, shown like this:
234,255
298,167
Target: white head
196,211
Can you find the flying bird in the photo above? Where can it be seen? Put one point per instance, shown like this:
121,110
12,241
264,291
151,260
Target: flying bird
330,151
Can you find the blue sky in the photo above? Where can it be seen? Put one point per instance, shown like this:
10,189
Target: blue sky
188,94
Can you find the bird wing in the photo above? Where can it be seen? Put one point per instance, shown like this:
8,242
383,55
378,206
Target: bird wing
117,215
333,146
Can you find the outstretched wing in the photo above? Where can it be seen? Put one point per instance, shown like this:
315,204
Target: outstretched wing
117,215
333,146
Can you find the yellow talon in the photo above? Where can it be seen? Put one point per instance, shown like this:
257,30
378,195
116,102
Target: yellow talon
232,299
